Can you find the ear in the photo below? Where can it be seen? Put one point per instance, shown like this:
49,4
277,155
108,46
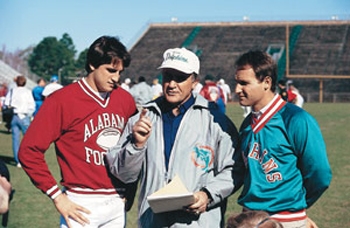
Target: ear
194,82
91,67
267,83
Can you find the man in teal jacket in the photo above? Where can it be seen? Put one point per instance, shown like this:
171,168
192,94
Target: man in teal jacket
287,168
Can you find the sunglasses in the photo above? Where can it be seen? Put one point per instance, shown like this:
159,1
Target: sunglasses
174,75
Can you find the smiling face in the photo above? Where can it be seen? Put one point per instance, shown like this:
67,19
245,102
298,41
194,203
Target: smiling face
105,77
177,86
250,90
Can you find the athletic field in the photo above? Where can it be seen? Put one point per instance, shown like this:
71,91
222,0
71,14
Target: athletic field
32,209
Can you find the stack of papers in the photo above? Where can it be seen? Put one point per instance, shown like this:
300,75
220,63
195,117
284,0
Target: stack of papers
173,196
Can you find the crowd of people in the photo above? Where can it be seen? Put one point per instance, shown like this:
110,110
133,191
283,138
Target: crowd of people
290,93
25,104
112,137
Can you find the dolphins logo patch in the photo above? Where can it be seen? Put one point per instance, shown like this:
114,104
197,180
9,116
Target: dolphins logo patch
202,157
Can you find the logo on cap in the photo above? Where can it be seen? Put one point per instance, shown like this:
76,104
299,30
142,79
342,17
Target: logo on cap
180,59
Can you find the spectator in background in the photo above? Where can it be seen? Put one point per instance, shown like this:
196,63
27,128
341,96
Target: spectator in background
83,120
126,84
52,86
157,88
197,89
283,152
296,97
3,89
10,88
3,92
142,92
13,84
212,92
38,94
282,89
22,100
226,90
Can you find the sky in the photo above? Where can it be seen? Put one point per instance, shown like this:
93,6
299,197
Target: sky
27,22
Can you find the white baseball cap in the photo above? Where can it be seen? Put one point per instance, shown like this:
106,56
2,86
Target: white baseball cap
180,59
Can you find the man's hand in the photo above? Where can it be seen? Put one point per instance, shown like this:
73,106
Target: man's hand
142,129
5,191
68,209
200,204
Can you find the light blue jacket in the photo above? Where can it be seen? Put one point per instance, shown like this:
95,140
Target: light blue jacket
142,93
202,156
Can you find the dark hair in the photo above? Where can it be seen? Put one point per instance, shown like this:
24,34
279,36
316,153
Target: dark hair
252,219
282,82
21,81
106,50
262,64
209,77
142,79
40,80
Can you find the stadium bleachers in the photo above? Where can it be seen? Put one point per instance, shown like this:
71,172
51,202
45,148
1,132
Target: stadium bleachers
321,48
7,74
318,50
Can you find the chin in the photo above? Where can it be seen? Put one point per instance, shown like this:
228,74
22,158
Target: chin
109,89
172,100
243,103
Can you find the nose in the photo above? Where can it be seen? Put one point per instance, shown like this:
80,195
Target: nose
116,76
172,83
238,88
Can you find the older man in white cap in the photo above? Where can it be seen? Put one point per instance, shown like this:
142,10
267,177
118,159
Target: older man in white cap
177,135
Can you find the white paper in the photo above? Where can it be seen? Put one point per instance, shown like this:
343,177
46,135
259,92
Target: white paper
173,196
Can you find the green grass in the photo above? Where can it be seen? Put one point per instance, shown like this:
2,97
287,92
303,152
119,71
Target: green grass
32,209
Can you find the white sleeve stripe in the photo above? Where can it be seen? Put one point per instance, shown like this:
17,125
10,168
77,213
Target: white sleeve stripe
56,194
51,190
